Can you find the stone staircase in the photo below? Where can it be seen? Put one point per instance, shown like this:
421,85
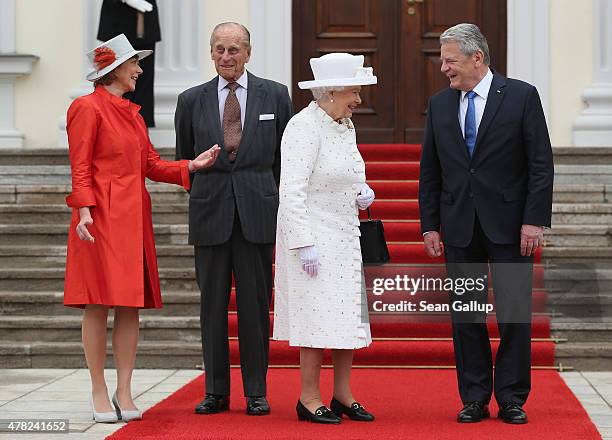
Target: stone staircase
37,331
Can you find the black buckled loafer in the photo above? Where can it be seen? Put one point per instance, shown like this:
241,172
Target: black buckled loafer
321,415
511,412
353,412
473,412
213,404
257,406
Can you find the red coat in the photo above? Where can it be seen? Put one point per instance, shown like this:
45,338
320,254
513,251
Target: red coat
110,156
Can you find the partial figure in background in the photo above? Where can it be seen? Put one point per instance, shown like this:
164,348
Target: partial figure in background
139,21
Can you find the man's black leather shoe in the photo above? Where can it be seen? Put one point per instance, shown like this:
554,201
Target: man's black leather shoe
213,404
473,412
257,406
353,412
321,415
511,412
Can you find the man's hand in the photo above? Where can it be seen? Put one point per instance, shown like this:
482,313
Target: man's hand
139,5
433,245
531,239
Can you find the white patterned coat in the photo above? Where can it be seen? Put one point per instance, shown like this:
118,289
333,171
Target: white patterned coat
322,173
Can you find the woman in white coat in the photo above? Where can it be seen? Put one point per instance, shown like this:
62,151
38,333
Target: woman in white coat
320,297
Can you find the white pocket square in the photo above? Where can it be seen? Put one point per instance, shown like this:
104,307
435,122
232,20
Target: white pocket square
266,116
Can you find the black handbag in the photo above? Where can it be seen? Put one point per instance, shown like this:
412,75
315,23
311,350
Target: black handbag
373,244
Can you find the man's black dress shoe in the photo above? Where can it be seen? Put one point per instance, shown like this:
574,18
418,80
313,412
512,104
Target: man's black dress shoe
473,412
511,412
321,415
354,412
212,404
257,406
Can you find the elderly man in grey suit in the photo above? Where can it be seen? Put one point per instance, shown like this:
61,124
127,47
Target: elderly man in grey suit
232,210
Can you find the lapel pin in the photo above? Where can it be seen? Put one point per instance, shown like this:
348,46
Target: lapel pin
498,91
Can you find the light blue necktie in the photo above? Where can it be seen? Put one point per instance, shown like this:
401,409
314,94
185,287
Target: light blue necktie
470,123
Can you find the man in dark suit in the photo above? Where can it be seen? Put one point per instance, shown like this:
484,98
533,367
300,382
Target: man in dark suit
485,186
139,21
232,210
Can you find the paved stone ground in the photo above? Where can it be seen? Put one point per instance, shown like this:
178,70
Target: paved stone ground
61,394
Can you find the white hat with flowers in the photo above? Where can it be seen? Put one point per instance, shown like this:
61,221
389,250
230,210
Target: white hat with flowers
111,54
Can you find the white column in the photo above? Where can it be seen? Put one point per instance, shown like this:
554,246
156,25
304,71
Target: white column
179,62
12,65
593,128
528,44
270,27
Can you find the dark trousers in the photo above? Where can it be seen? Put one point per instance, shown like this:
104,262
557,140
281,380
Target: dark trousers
143,95
251,265
512,285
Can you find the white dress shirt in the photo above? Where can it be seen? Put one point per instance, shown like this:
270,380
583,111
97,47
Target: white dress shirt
480,100
241,94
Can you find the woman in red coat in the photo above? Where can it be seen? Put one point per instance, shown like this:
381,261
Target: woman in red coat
111,261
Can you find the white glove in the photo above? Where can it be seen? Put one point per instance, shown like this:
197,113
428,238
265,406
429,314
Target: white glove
365,197
139,5
309,258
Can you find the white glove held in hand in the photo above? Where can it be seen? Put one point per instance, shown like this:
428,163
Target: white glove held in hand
309,258
139,5
365,197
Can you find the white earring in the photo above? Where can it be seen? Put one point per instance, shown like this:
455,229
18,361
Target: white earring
331,100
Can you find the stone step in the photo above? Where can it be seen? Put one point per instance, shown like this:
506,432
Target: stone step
26,257
50,303
151,354
56,194
582,329
580,306
52,279
582,213
51,156
47,257
578,235
67,328
583,174
48,193
585,356
57,235
601,256
578,278
582,155
61,214
59,156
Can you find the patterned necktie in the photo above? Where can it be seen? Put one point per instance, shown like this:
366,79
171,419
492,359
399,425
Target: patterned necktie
232,127
470,123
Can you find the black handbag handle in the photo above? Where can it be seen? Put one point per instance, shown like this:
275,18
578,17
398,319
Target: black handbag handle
369,214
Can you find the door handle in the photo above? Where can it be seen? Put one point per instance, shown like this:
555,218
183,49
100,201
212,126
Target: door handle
411,9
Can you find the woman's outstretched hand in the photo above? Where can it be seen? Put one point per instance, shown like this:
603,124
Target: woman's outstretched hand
205,160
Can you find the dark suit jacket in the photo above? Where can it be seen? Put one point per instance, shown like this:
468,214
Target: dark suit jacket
508,181
118,18
251,182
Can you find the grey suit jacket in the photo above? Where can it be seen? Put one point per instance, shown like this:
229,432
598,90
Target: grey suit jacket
250,184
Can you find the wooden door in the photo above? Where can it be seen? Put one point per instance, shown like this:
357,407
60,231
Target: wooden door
400,39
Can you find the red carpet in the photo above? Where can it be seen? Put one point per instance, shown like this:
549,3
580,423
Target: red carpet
408,404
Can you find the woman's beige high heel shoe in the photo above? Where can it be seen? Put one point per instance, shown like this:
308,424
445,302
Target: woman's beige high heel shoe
124,415
102,417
